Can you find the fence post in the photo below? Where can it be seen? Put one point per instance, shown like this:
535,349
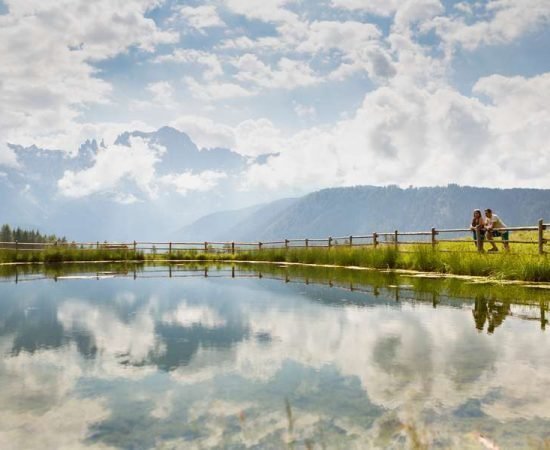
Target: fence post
351,241
16,249
205,247
259,245
135,246
375,240
396,234
233,248
286,243
434,234
541,236
329,242
479,242
97,245
169,248
307,242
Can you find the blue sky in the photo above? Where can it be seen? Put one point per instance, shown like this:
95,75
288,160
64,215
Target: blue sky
346,91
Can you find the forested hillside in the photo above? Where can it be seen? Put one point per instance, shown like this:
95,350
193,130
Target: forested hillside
363,209
7,234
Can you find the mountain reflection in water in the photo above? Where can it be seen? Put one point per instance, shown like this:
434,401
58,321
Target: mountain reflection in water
198,357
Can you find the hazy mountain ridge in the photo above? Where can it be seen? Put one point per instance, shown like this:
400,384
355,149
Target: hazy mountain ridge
30,195
237,223
364,209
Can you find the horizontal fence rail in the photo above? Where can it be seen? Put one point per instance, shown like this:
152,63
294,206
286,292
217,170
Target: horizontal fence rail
394,238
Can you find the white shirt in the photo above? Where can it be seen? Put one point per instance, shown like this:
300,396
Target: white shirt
494,222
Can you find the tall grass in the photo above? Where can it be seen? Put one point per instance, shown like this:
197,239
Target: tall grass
54,255
506,266
528,267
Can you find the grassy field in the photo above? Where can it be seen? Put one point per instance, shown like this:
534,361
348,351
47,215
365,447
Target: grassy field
451,258
460,258
54,255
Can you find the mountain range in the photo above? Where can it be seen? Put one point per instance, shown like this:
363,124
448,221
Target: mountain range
364,209
178,200
32,197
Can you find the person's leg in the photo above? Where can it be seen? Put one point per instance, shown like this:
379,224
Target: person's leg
482,234
505,238
489,235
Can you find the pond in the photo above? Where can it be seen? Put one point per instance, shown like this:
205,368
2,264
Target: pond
268,357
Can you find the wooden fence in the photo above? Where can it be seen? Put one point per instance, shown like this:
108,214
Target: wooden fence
395,238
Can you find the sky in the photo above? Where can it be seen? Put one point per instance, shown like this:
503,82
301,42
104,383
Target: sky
337,92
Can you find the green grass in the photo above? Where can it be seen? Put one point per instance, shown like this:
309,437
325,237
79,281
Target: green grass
55,255
459,258
527,267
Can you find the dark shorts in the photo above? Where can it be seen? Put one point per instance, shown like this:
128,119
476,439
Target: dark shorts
503,234
482,233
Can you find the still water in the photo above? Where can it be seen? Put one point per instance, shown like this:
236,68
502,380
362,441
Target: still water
169,358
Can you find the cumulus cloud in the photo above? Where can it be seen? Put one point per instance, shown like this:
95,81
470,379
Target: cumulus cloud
209,61
205,132
378,7
127,174
199,17
502,21
112,165
417,135
211,91
266,10
162,93
289,73
256,137
59,42
187,182
188,315
304,111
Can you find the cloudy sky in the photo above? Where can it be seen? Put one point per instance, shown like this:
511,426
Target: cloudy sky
345,92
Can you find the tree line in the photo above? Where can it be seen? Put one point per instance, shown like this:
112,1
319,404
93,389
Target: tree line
8,234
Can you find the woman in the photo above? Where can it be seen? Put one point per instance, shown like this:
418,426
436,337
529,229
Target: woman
478,220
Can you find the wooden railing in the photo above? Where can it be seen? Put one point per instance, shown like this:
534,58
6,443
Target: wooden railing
395,238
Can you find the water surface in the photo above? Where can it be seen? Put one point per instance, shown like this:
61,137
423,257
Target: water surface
162,357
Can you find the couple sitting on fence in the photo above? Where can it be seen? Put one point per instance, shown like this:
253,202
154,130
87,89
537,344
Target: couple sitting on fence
489,226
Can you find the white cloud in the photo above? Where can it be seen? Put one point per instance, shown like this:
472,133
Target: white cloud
304,111
163,93
187,182
188,315
205,132
113,165
378,7
7,156
134,339
211,61
266,10
520,126
215,91
47,50
417,11
424,135
349,35
256,137
288,73
204,16
508,20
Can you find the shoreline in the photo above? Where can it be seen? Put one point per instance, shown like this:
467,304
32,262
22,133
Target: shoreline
477,279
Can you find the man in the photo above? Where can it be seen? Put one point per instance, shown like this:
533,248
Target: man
492,223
